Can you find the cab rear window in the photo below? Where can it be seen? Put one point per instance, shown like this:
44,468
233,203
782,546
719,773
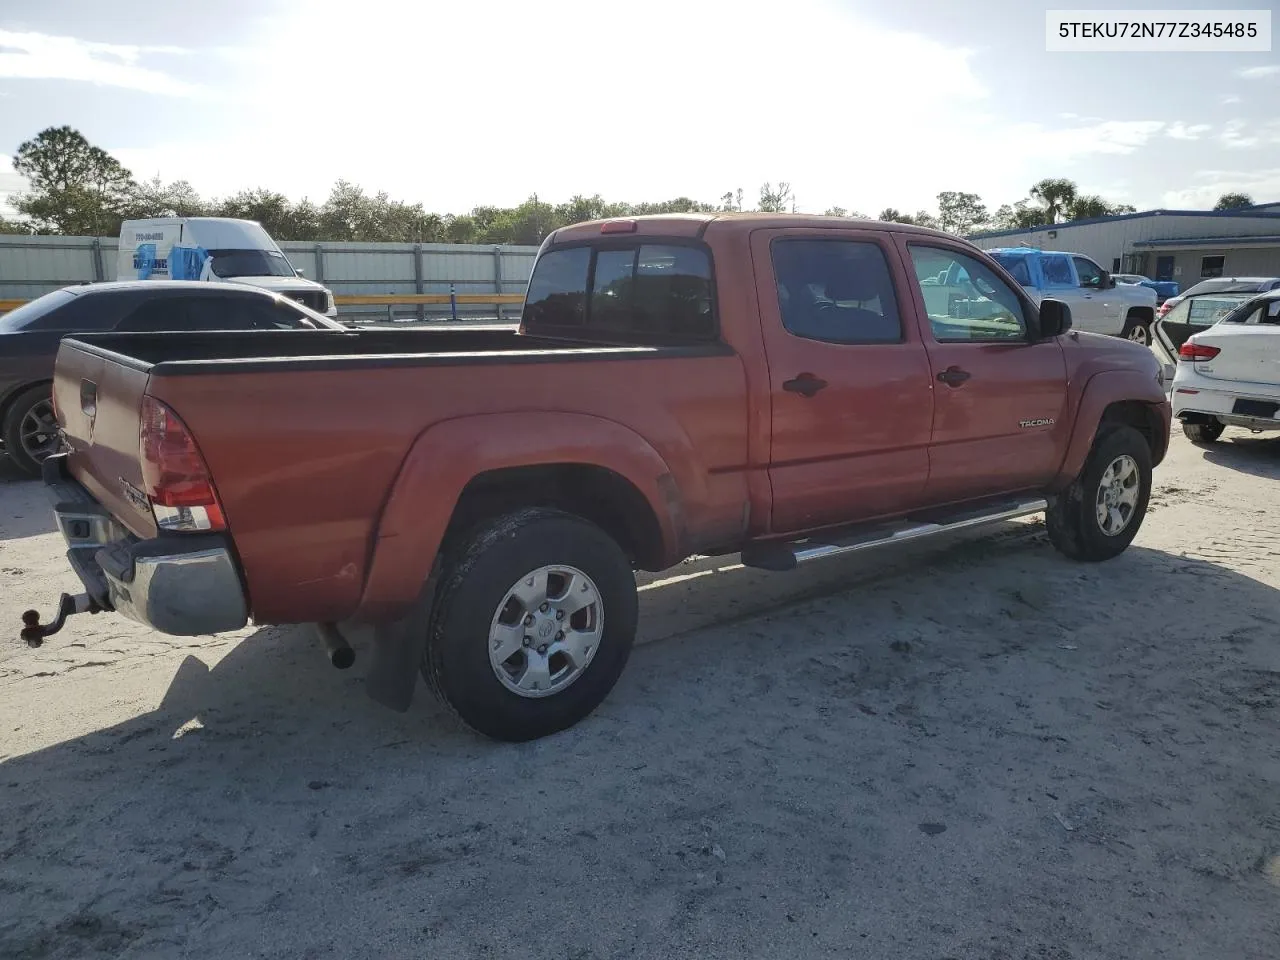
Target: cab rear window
641,291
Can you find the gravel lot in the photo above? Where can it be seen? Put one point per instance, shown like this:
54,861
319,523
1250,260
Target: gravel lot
971,750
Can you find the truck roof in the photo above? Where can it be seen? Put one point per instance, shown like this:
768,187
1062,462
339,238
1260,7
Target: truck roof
697,224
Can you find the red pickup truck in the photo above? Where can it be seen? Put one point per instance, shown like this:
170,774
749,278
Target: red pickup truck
786,387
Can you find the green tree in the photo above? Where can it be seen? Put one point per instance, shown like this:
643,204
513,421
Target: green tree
1233,201
778,200
76,188
1020,216
156,199
921,218
1056,195
14,226
1087,207
960,213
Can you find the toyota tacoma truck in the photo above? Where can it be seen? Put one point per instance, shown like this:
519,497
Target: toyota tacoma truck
779,386
1098,304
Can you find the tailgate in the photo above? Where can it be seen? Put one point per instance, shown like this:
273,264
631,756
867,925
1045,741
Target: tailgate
98,400
1250,353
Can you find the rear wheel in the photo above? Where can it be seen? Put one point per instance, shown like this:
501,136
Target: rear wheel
1137,329
1097,517
1204,431
30,430
533,624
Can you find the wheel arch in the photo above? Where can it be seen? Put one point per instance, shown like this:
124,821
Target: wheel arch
460,471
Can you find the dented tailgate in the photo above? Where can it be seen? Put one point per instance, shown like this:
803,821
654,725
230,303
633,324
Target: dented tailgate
98,396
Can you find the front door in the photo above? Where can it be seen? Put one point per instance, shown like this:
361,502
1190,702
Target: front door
1000,399
851,398
1164,268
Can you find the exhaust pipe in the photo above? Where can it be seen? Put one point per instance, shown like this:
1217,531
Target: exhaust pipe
335,644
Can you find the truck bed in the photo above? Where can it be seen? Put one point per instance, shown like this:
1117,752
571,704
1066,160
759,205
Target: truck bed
306,432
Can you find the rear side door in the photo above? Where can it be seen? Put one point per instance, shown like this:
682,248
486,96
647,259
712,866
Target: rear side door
851,402
1000,398
1061,283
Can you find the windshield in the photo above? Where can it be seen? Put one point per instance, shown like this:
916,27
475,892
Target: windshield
250,263
1227,285
27,315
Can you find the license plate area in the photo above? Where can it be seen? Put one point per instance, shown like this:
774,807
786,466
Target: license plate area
1256,408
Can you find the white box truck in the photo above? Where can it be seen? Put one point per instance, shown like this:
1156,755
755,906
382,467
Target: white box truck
214,248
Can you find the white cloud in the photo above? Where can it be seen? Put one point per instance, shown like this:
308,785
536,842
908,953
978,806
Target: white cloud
679,101
1262,185
39,56
1182,131
1107,137
1259,73
1246,134
1228,99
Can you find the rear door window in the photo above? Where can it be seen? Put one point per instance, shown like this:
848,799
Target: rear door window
836,291
1057,272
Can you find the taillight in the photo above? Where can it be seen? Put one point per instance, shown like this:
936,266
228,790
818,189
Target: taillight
1197,351
174,474
1164,308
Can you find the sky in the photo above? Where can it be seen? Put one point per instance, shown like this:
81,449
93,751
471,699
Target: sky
862,105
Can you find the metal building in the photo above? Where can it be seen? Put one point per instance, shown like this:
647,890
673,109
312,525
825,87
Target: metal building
1181,245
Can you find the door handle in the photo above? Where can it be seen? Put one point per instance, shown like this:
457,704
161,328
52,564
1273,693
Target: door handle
953,376
89,398
806,385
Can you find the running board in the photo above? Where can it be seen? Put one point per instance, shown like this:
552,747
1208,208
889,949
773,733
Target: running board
781,555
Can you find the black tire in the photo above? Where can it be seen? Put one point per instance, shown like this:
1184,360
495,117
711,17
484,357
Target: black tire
481,570
1203,432
1072,520
23,404
1137,329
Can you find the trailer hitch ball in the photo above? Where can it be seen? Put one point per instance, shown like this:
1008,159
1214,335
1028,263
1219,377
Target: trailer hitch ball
32,635
34,632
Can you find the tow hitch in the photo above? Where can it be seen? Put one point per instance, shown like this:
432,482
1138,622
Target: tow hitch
34,632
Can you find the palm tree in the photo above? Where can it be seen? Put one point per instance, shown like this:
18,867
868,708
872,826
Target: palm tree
1057,195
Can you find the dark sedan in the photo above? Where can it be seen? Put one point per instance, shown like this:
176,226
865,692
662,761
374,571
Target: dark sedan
29,338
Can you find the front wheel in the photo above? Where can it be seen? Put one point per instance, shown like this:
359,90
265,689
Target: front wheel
1097,517
1137,330
533,624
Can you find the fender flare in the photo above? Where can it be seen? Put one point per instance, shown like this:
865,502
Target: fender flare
1100,391
448,455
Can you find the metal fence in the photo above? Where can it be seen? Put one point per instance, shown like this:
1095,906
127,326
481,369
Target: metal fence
367,279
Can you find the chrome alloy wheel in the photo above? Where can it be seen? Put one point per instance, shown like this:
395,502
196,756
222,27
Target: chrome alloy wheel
546,631
38,431
1117,497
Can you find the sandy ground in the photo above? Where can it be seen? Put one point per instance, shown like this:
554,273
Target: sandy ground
971,750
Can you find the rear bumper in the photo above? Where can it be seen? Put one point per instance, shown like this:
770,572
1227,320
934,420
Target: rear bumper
1211,401
181,585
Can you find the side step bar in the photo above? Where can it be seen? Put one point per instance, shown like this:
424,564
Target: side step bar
782,556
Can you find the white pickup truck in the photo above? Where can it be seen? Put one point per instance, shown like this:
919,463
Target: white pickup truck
1098,304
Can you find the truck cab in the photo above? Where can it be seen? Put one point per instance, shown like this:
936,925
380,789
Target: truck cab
218,249
1098,304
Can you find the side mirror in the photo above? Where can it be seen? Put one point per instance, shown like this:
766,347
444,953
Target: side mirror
1107,281
1055,319
300,272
